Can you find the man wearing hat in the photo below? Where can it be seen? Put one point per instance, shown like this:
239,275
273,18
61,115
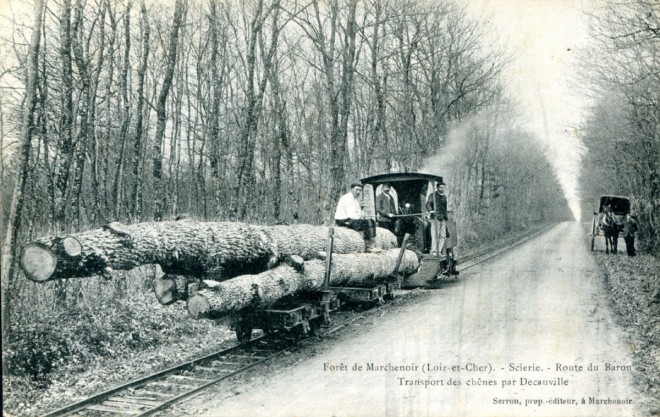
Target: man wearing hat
438,218
349,214
386,209
630,227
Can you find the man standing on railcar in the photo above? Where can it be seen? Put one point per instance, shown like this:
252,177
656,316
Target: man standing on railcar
386,208
349,214
438,218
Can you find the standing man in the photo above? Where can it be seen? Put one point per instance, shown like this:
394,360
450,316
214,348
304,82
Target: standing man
386,208
349,214
438,218
629,229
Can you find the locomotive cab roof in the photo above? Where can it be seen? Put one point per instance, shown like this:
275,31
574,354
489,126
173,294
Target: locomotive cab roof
411,187
401,177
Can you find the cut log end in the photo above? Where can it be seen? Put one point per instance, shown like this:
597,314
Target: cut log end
198,306
71,247
295,261
38,262
165,290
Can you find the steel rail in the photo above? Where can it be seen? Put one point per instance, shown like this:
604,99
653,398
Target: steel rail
498,250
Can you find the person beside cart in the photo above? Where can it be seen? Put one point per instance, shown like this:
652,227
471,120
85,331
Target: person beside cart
630,227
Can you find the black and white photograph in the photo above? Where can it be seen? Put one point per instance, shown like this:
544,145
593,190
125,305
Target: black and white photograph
330,208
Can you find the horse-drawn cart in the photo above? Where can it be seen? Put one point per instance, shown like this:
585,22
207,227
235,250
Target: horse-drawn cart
609,211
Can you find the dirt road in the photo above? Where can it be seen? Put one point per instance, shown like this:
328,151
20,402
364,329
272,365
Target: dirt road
527,334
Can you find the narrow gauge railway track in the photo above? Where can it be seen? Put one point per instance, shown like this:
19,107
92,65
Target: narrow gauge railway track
471,260
148,395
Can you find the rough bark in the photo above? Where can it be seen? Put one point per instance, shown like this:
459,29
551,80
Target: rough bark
264,289
188,247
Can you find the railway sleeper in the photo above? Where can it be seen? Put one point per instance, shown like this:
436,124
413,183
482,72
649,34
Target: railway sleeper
148,395
191,379
211,370
126,405
102,408
136,400
168,388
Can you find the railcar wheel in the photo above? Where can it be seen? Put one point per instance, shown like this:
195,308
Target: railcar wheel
315,326
296,334
243,333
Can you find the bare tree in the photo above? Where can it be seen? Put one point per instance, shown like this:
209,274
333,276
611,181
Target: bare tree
9,249
66,119
159,199
254,98
138,166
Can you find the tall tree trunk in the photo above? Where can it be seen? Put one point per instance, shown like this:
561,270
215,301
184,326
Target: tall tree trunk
126,116
66,118
82,64
214,118
341,150
9,249
136,206
109,136
159,198
92,122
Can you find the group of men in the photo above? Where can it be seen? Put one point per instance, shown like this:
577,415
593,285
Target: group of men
349,214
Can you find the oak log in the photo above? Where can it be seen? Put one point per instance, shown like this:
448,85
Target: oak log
219,249
262,290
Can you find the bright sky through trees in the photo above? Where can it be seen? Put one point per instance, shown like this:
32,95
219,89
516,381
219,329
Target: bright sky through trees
544,37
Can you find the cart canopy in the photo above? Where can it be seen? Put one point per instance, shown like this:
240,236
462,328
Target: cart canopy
620,205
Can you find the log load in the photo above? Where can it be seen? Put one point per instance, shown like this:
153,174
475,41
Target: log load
262,290
221,249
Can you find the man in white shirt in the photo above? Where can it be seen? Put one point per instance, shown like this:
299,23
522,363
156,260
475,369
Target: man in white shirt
349,214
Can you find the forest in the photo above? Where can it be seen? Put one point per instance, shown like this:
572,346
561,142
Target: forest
263,111
621,132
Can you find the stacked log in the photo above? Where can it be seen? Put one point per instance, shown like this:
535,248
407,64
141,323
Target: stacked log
264,289
219,249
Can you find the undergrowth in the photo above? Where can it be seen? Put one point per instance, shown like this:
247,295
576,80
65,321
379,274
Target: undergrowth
81,334
634,286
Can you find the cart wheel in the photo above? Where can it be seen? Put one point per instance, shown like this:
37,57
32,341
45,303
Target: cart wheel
243,333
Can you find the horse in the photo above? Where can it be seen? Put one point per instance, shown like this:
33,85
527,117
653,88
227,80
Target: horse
612,225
